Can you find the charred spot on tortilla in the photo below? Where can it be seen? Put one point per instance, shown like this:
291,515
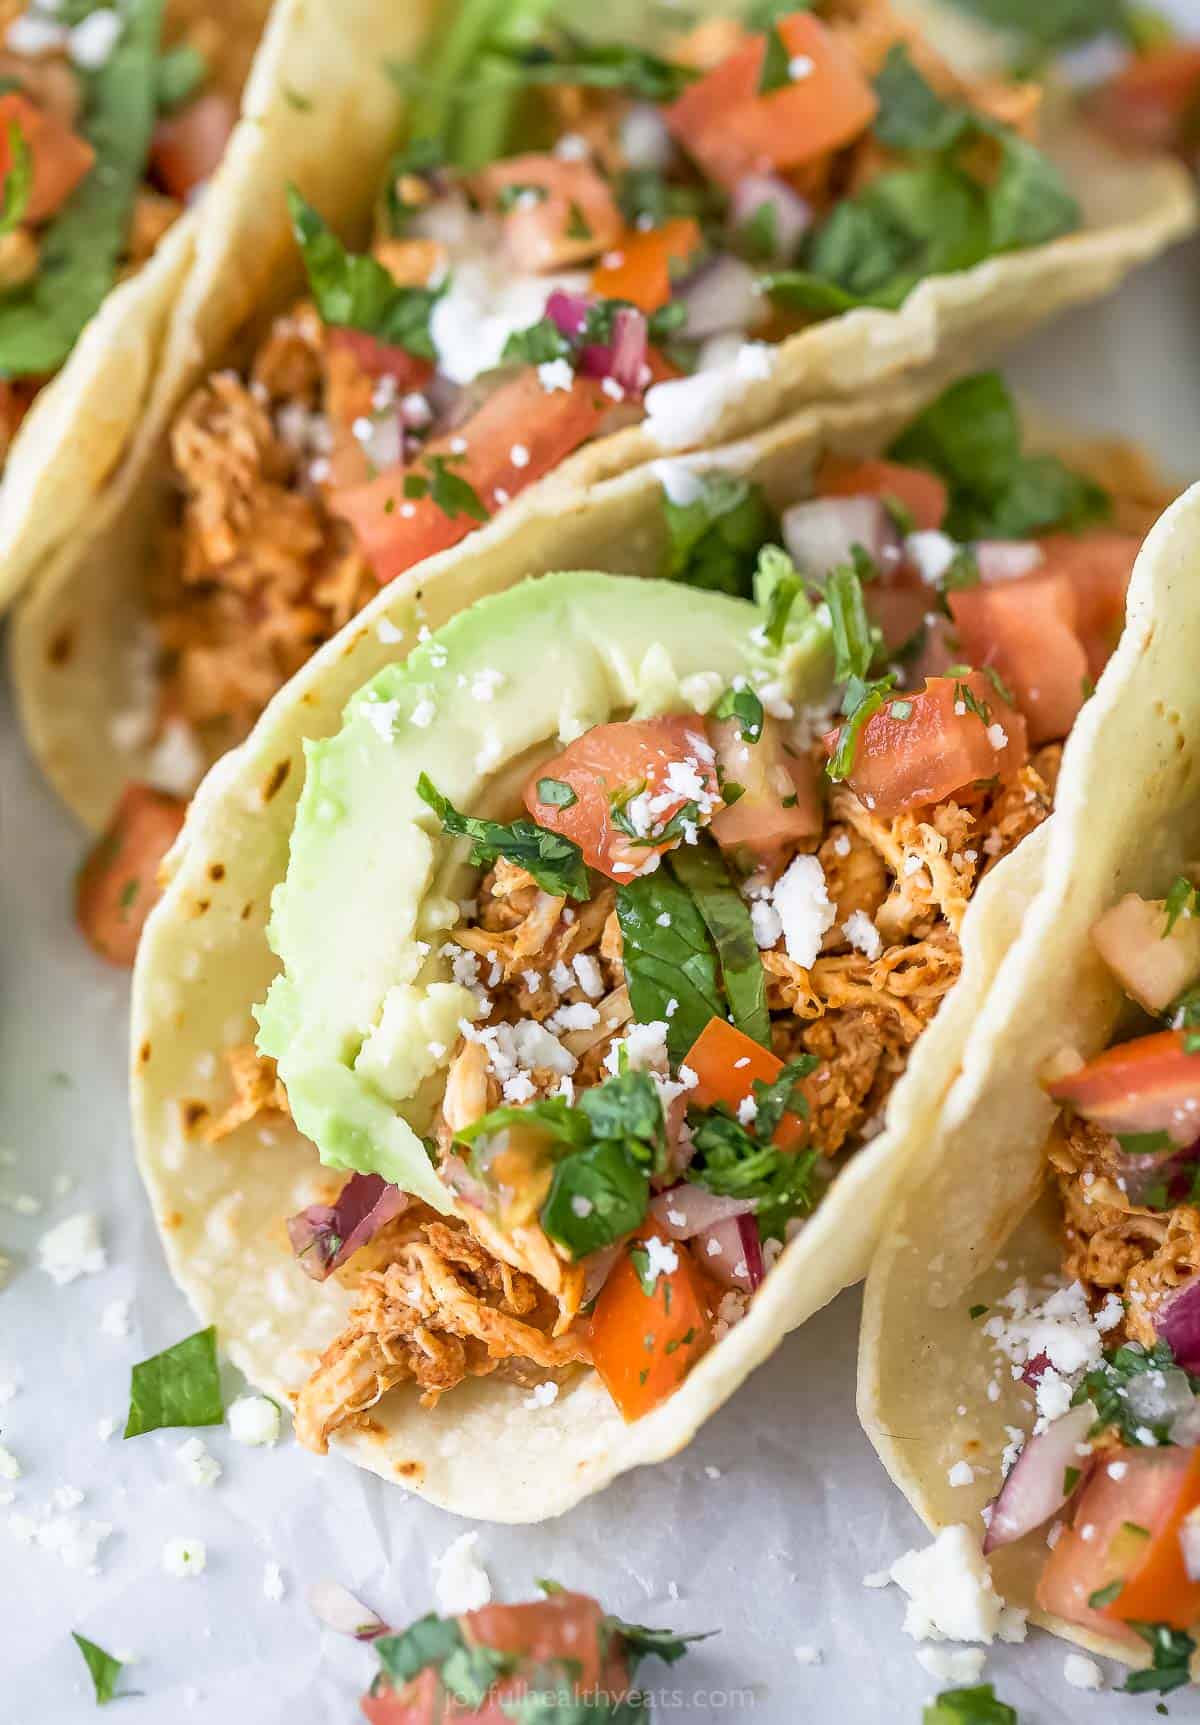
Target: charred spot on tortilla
201,906
193,1114
247,910
216,871
62,646
277,780
144,1052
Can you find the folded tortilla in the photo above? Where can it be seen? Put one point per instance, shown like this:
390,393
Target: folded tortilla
83,651
970,1224
205,961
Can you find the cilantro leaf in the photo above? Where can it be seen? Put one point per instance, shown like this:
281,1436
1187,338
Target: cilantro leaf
354,291
431,1640
542,342
701,869
1171,1651
179,1387
1182,899
976,1706
861,703
775,74
739,1161
451,493
912,116
603,1152
1051,24
744,705
1030,203
599,66
556,794
83,245
18,181
555,862
970,437
470,1671
713,540
668,961
1106,1386
855,639
103,1669
642,1643
182,72
778,593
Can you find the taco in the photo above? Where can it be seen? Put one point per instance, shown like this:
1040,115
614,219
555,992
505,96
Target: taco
622,1096
111,122
1030,1343
792,212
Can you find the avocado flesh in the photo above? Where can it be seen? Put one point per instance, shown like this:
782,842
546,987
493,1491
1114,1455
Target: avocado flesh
370,875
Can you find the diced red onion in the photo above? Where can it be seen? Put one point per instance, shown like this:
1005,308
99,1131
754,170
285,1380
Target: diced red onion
624,358
1006,559
732,1252
453,1172
1033,1491
645,141
336,1607
1031,1371
568,312
1189,1543
324,1235
688,1210
386,443
598,1267
721,295
1177,1322
1156,1398
822,533
793,214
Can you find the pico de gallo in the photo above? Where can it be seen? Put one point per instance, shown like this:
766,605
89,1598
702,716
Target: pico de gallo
703,951
1115,1458
571,229
554,1657
111,119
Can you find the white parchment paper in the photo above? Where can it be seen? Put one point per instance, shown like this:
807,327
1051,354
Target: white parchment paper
763,1530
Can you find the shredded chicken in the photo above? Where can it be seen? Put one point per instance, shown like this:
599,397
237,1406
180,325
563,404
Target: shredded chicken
443,1310
258,1089
1109,1241
263,573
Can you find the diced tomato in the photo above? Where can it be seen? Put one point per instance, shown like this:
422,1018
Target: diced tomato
118,884
1151,100
187,147
354,364
780,801
519,418
638,268
570,215
730,129
1026,632
1151,1084
1097,565
727,1063
560,1642
609,765
645,1344
561,1627
1132,1526
1152,963
920,748
922,494
898,604
60,159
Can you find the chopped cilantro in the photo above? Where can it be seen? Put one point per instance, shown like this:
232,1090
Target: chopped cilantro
1171,1651
18,181
740,1161
450,492
542,342
1070,1480
103,1669
775,74
1103,1595
855,639
976,1312
573,59
182,71
1105,1387
862,701
713,540
778,593
1182,899
554,861
701,869
518,196
179,1387
971,438
556,794
1145,1143
744,705
975,1706
672,961
354,291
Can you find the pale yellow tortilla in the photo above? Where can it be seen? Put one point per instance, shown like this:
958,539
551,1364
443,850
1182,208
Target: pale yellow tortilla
204,962
1127,820
82,651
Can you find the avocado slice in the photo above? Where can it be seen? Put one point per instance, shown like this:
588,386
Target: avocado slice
372,885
